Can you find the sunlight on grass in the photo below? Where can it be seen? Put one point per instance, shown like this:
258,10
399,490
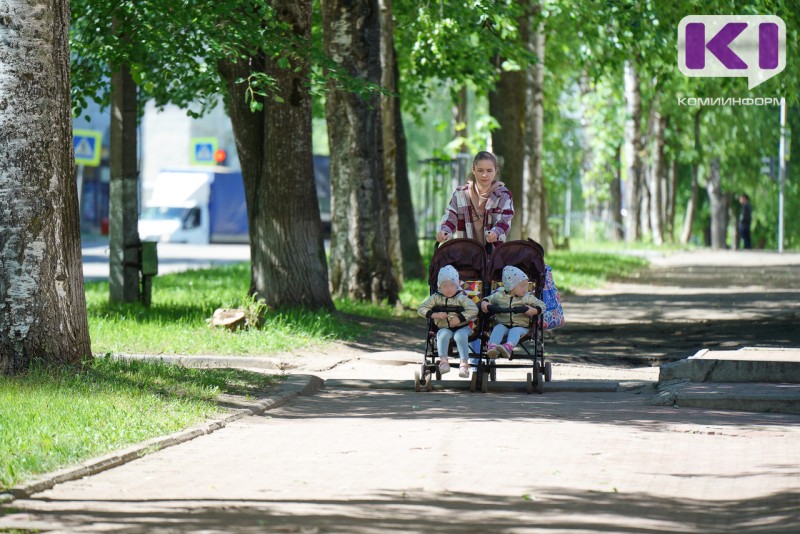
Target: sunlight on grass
182,302
50,418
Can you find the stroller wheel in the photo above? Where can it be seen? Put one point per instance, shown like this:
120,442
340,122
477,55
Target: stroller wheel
485,383
473,382
417,384
548,372
493,373
438,374
540,384
529,383
429,385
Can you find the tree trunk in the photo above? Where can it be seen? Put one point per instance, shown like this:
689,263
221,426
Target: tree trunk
43,314
656,179
388,115
361,266
671,185
507,106
412,260
633,153
274,146
535,205
691,206
717,206
123,202
591,191
616,197
460,118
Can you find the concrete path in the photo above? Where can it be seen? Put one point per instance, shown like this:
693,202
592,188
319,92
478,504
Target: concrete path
374,460
377,461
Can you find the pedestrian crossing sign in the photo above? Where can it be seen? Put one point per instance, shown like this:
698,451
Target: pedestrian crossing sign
202,151
88,145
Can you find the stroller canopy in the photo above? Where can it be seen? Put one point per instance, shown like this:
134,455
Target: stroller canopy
527,256
466,255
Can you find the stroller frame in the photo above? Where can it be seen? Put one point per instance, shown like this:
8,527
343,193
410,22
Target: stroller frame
469,259
529,352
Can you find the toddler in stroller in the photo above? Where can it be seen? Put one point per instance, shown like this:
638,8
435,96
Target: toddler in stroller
522,306
451,311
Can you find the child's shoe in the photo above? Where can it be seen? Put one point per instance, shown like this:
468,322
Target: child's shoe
492,352
502,350
444,365
463,370
509,349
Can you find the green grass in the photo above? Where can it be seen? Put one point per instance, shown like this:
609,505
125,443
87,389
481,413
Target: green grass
51,418
176,322
583,270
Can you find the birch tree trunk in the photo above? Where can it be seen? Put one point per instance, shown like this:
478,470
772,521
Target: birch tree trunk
535,201
633,153
361,267
616,197
656,178
274,145
691,206
718,209
671,185
43,311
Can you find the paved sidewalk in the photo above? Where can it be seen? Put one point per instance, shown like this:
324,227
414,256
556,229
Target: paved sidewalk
355,459
375,461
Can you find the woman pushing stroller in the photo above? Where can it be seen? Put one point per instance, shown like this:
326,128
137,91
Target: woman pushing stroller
454,322
513,294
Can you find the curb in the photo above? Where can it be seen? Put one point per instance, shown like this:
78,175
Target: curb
291,388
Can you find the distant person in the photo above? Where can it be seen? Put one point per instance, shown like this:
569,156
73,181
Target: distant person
481,209
745,219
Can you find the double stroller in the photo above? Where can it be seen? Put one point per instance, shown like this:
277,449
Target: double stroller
480,276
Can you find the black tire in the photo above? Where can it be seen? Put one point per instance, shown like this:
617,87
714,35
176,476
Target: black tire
438,374
485,383
548,372
529,383
493,373
540,384
473,382
417,384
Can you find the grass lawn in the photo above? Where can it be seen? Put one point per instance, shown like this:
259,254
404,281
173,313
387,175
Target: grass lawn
51,418
182,303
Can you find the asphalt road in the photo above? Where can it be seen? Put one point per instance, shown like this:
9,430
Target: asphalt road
172,257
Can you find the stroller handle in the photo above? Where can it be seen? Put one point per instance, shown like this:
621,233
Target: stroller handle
494,310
